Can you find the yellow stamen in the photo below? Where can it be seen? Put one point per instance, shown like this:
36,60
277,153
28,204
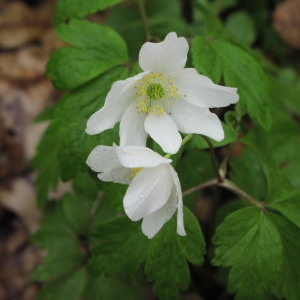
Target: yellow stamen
155,93
134,172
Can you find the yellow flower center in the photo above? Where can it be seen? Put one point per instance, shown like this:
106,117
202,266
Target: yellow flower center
154,93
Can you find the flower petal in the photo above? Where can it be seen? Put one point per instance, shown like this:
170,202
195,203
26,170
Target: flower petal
139,157
103,158
119,175
155,221
164,57
180,222
199,90
192,119
121,94
149,191
164,131
120,87
132,132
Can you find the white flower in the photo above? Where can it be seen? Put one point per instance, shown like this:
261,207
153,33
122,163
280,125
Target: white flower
162,100
154,191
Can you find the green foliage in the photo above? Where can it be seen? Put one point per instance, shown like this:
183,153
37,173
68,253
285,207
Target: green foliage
264,244
92,251
65,136
69,286
241,26
123,248
231,61
65,234
167,254
96,49
69,9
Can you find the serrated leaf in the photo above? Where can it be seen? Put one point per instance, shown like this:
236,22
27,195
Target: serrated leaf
289,207
46,163
70,120
58,237
253,180
122,247
66,9
66,137
278,185
205,60
68,286
240,70
78,211
288,286
241,242
96,49
166,263
104,288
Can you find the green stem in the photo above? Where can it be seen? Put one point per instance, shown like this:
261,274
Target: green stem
213,156
144,19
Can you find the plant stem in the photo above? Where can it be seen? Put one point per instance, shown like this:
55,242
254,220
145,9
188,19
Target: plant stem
213,156
144,19
229,185
212,182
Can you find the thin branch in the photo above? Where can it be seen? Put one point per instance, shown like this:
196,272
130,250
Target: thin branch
212,182
229,185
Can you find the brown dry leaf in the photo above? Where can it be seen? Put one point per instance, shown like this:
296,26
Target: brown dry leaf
20,25
18,108
18,259
26,64
21,199
286,21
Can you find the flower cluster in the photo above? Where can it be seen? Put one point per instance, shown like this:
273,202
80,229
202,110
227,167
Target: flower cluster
162,101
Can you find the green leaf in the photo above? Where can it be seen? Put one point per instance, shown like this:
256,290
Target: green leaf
58,237
103,288
250,244
66,287
289,207
199,164
205,60
70,120
286,89
253,180
122,247
46,162
241,26
166,263
66,137
67,9
278,185
96,49
288,285
239,69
